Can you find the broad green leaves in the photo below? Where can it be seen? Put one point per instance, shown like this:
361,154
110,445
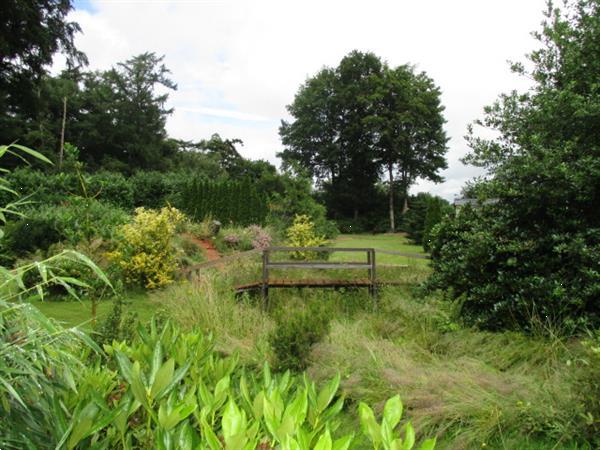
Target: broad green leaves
172,391
382,435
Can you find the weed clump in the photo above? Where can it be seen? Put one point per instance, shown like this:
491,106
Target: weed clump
294,337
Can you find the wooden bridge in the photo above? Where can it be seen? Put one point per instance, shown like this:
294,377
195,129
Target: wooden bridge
370,266
269,264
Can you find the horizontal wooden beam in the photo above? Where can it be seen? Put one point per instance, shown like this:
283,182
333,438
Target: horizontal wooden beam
318,249
317,265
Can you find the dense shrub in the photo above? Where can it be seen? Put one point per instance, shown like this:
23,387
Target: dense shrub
295,335
80,219
242,239
112,187
145,251
230,202
302,234
30,234
508,275
531,249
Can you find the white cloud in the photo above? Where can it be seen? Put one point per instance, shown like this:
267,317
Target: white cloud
239,63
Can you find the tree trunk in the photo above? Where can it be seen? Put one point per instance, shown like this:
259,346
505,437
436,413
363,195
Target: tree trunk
391,197
405,184
62,134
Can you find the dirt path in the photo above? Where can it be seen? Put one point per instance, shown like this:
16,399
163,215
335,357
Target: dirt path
211,252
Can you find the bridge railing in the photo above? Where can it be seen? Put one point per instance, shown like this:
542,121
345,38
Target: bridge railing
268,264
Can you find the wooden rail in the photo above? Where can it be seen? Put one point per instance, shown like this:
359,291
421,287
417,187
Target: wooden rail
268,265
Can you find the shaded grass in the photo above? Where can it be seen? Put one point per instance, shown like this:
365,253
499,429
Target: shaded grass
72,313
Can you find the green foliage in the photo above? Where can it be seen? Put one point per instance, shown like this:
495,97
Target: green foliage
114,188
79,219
117,326
32,32
302,234
382,435
149,189
145,251
72,222
361,119
530,254
230,202
170,390
28,235
40,361
425,211
293,196
295,335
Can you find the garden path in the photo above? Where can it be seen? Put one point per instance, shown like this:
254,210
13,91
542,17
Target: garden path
212,253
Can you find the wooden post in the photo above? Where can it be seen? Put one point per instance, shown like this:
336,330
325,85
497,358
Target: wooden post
373,273
265,278
370,263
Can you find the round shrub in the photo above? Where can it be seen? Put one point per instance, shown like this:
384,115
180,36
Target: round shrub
29,235
295,335
145,251
112,187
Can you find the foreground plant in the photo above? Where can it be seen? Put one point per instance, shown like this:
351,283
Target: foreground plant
170,390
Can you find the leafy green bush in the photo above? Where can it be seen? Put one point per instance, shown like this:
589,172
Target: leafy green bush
506,277
112,187
531,251
30,234
302,234
295,335
80,219
150,189
145,251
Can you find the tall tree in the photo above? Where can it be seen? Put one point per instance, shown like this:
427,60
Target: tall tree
122,118
31,33
408,130
354,120
330,137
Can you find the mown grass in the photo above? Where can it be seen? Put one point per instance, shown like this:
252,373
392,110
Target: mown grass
395,242
73,313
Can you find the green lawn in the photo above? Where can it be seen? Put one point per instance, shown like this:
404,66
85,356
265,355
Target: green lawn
395,242
79,313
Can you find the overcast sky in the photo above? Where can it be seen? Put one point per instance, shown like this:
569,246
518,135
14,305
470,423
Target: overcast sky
237,64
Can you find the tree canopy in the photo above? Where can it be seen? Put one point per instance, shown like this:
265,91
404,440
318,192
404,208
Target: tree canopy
355,121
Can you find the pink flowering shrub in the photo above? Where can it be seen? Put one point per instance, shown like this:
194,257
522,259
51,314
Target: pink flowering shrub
261,238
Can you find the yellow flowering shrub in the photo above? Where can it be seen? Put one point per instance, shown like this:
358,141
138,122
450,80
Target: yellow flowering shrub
302,234
145,252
